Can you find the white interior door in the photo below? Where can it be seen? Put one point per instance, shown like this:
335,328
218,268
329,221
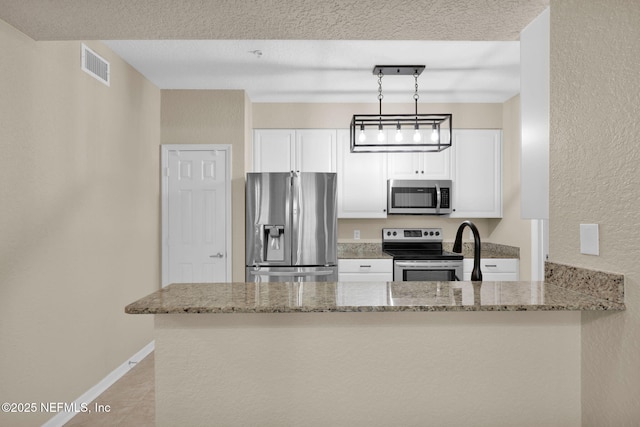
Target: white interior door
196,210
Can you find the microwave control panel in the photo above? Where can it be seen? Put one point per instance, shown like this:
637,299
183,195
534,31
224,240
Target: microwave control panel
444,198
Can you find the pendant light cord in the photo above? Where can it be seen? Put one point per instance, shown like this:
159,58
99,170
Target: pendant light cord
380,96
415,95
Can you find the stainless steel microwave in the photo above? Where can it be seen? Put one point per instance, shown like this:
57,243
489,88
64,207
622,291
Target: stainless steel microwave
418,197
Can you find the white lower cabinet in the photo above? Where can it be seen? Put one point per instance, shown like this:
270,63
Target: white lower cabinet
363,281
365,270
493,269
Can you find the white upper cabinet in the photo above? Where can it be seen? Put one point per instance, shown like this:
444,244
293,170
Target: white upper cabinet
303,150
477,173
273,150
473,163
362,182
419,165
316,150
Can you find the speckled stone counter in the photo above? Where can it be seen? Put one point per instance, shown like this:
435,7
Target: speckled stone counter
361,251
348,250
599,284
366,297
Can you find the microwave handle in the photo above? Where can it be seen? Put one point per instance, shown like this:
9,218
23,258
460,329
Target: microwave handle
438,197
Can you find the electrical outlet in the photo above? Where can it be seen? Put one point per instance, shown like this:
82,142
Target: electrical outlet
589,239
356,234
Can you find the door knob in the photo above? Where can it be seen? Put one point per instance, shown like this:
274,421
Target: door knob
218,255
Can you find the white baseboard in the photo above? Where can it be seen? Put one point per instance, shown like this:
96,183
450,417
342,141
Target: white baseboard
90,395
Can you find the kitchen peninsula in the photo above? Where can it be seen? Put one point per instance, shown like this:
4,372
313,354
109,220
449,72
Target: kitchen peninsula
307,297
352,354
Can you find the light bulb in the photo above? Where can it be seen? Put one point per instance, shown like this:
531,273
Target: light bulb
362,137
434,135
398,133
380,136
416,136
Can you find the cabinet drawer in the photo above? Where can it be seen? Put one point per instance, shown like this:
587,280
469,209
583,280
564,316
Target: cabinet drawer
493,265
365,266
494,269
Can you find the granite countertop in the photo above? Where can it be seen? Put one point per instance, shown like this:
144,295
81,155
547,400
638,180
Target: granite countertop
349,250
361,251
292,297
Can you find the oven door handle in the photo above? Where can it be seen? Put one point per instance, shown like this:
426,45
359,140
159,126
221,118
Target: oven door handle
415,264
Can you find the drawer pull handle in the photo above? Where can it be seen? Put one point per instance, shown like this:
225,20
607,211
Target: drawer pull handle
365,266
491,265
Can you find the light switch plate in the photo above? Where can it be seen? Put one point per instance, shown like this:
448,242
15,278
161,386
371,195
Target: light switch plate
589,239
356,234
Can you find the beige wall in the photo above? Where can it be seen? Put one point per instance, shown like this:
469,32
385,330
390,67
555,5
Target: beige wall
213,117
510,230
493,369
594,178
79,219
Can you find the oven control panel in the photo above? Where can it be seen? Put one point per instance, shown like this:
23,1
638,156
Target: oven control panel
412,234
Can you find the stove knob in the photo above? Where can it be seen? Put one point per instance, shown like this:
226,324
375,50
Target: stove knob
395,234
388,233
431,234
426,233
437,233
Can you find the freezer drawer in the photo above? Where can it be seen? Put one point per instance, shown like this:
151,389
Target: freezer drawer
291,274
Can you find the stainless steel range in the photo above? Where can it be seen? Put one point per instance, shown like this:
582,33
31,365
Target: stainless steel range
418,256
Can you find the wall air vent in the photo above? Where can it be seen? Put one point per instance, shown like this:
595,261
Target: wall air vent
95,65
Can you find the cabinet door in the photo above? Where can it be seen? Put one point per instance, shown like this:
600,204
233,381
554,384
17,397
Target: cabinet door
362,182
404,165
420,165
477,173
273,150
315,150
437,165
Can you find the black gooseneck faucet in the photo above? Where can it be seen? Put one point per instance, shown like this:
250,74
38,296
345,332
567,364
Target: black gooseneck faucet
476,274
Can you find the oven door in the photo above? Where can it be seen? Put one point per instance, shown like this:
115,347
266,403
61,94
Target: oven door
427,270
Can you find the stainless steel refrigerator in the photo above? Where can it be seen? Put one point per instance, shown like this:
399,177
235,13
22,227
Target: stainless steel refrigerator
291,227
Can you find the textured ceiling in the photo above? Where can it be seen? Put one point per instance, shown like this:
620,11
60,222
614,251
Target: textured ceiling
313,50
271,19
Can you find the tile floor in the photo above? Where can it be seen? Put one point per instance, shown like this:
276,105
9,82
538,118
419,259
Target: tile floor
131,400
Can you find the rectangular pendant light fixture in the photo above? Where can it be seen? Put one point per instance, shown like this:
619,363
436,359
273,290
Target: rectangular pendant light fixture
400,132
